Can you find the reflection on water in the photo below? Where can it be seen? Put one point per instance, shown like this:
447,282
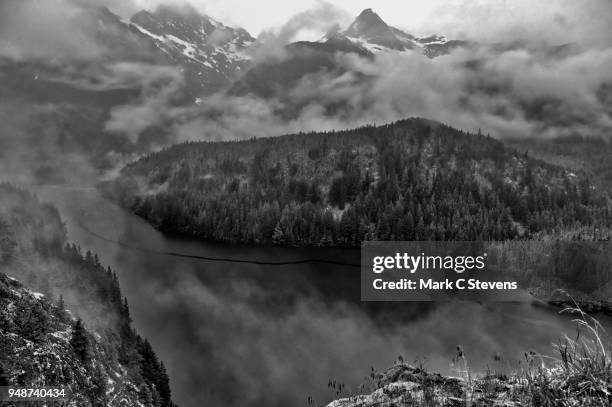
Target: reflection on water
254,335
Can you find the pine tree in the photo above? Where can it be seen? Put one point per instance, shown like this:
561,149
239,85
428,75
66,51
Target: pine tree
79,341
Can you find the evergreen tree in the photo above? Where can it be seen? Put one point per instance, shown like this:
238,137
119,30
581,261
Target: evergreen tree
79,341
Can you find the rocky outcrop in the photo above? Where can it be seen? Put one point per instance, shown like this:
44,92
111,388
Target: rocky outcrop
405,385
37,349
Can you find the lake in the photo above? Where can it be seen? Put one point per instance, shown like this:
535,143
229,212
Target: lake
240,334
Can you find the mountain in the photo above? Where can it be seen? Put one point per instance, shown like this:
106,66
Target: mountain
371,28
410,180
92,350
211,54
370,31
366,37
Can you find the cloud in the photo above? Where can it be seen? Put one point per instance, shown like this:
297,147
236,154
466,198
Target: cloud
68,32
160,85
586,22
526,91
43,29
31,146
319,19
70,62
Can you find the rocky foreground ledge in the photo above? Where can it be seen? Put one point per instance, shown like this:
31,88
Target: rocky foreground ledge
565,384
405,385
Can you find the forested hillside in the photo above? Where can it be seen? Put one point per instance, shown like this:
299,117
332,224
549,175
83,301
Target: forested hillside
588,154
75,330
410,180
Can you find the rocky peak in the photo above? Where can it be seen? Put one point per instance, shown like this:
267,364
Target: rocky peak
368,20
187,24
210,53
369,26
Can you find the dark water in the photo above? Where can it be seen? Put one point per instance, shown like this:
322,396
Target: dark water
251,335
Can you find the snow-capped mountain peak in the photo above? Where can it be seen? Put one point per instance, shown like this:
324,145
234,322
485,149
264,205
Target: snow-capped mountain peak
211,53
373,34
370,27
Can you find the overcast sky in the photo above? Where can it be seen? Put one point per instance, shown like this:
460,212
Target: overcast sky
262,14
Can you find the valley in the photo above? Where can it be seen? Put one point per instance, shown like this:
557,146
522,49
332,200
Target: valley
185,188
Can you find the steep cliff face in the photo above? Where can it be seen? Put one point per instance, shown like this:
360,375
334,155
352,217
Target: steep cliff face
92,351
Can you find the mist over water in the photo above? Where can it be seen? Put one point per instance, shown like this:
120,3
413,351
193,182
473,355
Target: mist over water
250,335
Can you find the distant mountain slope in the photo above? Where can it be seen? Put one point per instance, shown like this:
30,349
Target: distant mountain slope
410,180
275,78
212,54
92,350
583,155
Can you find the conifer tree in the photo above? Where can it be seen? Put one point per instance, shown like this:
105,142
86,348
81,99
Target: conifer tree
79,341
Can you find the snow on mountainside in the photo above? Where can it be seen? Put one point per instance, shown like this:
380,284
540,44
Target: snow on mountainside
371,33
211,54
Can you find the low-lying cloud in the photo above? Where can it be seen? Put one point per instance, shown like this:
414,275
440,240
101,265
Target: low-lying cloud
32,29
320,19
514,92
588,23
160,87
